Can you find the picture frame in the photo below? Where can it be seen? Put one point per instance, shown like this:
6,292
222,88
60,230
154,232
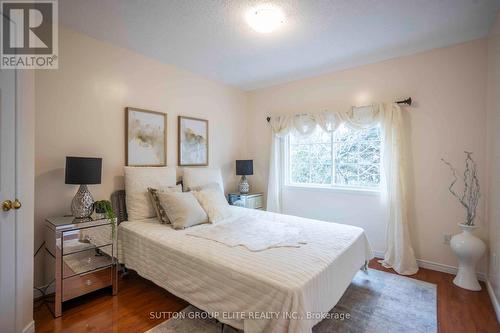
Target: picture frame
145,138
192,141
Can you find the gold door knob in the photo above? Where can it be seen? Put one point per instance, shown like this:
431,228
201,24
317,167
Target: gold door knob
16,204
7,205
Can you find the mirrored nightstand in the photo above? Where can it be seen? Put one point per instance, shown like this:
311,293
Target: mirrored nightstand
251,200
84,253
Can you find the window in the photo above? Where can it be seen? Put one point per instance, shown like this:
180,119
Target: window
347,158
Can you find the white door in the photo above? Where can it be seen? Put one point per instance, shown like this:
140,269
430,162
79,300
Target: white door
7,197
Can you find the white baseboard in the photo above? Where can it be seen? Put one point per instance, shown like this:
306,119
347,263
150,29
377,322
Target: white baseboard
436,266
494,299
481,276
30,328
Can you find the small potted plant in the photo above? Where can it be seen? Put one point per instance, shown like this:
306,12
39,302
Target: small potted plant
100,209
103,209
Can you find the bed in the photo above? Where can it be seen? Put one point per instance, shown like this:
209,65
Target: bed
284,289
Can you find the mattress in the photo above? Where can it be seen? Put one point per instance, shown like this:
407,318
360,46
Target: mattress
286,289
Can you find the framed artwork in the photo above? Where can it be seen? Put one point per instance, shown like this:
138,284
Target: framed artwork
146,138
192,141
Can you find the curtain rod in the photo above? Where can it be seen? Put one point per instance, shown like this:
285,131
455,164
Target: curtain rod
407,101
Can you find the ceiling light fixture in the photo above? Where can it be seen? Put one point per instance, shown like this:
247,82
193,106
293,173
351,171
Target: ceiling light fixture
265,18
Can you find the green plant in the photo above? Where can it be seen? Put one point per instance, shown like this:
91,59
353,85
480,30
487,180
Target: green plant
104,207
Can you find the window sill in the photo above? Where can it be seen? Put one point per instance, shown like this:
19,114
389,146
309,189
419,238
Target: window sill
338,189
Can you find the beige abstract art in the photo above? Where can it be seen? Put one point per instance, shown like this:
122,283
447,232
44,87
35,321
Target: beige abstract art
193,141
146,138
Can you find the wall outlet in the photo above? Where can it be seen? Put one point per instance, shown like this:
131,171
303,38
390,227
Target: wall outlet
446,239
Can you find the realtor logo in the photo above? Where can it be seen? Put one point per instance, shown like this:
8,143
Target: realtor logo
29,34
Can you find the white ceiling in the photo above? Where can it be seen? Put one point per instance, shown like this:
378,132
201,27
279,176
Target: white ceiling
211,37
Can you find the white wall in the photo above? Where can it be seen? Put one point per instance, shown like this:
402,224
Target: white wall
494,161
448,86
80,111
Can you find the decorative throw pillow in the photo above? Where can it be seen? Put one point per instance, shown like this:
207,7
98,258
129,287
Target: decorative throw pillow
183,210
161,214
214,203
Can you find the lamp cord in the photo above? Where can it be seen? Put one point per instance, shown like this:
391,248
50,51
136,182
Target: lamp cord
42,290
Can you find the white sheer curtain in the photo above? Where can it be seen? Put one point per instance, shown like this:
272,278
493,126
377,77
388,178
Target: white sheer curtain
399,252
274,186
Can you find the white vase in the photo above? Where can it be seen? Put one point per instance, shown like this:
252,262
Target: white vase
468,249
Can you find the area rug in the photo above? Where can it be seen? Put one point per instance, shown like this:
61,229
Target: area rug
377,302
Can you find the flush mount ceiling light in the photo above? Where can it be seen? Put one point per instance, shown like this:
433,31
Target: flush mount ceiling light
265,18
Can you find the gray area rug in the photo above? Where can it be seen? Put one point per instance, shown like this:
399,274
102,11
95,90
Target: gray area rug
376,302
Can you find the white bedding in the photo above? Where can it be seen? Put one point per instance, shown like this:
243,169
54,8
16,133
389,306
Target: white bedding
242,286
247,231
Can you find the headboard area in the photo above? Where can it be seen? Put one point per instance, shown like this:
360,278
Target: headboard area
119,205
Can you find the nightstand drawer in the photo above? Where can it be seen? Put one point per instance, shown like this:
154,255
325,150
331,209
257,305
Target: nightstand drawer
81,284
86,261
77,240
254,202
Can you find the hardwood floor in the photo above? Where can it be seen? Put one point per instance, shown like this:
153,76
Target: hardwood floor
130,311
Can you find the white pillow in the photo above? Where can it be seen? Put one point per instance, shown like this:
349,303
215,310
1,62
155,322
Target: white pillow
137,181
183,210
211,186
195,177
214,203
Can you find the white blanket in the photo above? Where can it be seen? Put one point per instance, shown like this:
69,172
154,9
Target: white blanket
241,285
253,234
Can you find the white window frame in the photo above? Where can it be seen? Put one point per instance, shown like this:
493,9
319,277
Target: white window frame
327,187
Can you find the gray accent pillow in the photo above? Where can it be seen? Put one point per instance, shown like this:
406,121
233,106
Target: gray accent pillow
161,214
183,210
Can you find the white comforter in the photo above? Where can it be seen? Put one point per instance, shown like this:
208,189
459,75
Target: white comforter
247,231
282,289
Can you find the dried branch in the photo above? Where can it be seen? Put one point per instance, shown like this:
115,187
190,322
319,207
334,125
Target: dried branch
472,190
450,188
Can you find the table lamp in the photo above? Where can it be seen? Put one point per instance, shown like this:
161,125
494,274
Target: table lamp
83,171
244,168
